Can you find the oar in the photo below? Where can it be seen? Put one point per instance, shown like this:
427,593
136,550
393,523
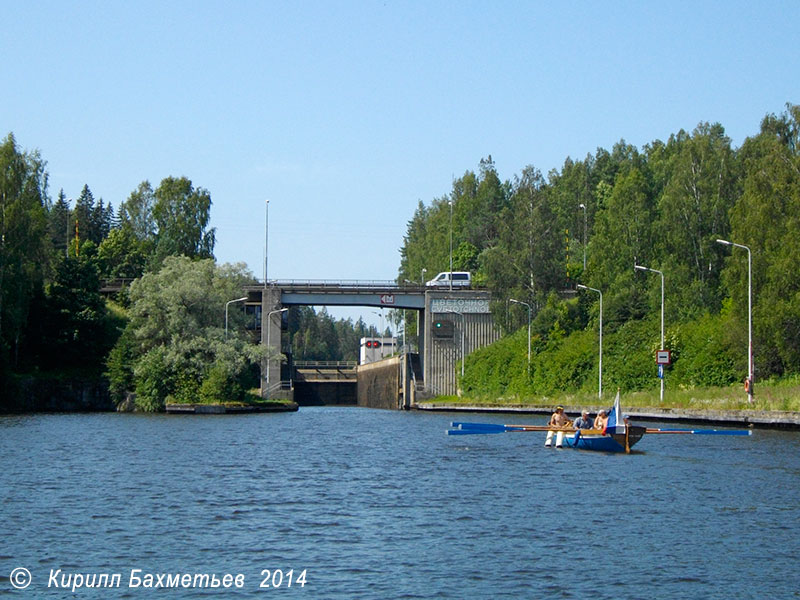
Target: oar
460,428
497,428
473,431
702,431
465,428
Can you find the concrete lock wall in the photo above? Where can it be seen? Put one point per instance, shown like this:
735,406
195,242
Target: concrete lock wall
271,338
379,384
468,325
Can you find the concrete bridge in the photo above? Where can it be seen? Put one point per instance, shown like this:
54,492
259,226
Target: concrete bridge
452,323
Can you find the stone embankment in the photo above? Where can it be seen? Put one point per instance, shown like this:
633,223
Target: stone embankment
734,418
225,409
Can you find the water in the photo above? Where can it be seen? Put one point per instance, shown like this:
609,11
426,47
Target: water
380,504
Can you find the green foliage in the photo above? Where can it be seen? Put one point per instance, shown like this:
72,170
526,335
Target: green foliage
499,369
77,329
181,214
566,363
703,355
175,339
153,380
23,243
629,356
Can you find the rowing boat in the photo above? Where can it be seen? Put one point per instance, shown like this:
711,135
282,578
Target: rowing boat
618,435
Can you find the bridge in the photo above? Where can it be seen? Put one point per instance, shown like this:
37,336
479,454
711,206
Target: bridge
452,323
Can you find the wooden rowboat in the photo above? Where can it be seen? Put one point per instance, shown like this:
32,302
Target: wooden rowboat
617,436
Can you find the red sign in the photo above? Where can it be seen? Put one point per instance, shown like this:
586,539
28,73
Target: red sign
663,357
387,299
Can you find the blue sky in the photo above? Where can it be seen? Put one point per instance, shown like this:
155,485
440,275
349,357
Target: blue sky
346,114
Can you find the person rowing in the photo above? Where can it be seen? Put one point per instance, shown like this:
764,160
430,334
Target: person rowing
560,420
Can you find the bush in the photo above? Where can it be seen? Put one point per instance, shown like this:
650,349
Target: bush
153,381
702,355
566,364
500,368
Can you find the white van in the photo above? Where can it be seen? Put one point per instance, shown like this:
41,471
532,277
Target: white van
460,279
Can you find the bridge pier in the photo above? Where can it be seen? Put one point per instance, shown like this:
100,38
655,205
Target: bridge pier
455,325
271,341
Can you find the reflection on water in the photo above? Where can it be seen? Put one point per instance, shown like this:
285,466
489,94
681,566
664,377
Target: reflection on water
380,504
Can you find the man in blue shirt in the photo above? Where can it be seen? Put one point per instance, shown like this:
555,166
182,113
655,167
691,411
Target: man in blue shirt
584,422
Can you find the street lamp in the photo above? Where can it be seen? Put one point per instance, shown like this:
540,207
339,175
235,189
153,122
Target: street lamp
266,243
450,202
583,206
529,324
422,284
380,333
269,330
600,376
228,303
750,366
641,268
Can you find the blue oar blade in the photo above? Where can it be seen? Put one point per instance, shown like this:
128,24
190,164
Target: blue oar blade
472,431
722,432
708,431
480,427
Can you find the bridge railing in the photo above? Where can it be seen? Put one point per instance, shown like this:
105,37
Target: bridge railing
329,364
343,283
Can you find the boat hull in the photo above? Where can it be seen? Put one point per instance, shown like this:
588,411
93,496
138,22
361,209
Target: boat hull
606,443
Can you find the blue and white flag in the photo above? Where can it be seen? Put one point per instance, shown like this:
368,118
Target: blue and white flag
615,423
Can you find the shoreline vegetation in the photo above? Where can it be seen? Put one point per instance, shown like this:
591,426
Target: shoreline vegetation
771,396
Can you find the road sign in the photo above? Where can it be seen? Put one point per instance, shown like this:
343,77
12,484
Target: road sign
387,299
663,357
661,371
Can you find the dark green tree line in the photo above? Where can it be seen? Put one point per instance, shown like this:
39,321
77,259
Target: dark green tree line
663,207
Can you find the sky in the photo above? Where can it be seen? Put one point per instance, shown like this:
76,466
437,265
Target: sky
345,115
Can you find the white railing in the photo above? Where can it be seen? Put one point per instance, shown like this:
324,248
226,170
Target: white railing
314,364
342,283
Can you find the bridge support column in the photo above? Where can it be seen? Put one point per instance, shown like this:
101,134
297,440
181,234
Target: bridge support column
271,340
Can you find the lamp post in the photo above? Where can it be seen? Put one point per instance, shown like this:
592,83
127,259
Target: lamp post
583,206
600,376
227,304
269,330
380,333
450,202
750,366
422,284
266,243
529,324
641,268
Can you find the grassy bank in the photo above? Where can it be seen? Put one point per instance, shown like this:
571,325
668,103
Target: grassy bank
771,395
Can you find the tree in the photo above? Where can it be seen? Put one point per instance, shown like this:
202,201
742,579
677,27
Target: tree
93,219
700,185
59,221
767,218
175,338
23,241
181,214
137,212
76,331
122,254
527,263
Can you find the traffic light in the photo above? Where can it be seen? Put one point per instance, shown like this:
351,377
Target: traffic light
442,328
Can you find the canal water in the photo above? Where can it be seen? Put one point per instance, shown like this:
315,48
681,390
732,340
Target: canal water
345,502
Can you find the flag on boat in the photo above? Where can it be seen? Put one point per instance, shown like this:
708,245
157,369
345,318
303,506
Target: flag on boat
615,423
